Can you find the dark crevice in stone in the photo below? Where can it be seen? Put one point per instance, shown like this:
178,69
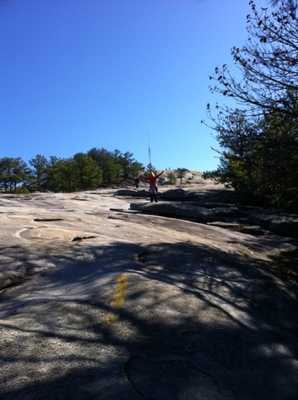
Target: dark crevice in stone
79,199
47,219
80,238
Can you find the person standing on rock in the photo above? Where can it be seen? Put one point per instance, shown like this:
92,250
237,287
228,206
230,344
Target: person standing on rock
137,182
152,180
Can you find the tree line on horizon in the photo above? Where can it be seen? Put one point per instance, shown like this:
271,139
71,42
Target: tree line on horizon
83,171
258,135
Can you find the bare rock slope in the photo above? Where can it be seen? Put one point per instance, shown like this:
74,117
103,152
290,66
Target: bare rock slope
100,302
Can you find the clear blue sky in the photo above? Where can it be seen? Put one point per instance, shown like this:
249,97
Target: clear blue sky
76,74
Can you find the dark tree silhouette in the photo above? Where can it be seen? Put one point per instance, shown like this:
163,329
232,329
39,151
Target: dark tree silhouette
259,135
268,63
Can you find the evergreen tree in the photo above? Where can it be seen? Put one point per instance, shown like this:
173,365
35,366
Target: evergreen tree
40,167
13,172
111,168
80,172
88,174
259,140
62,176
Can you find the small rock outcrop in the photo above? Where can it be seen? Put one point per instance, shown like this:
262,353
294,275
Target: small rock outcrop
284,225
187,210
131,193
174,195
251,220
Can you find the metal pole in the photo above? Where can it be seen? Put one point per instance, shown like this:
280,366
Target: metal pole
149,154
149,151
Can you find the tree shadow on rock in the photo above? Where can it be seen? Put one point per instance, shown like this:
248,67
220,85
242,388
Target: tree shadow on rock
197,321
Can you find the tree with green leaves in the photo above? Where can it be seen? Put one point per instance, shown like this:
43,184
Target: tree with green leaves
83,171
13,172
40,167
108,163
259,135
116,167
62,176
87,173
171,178
130,168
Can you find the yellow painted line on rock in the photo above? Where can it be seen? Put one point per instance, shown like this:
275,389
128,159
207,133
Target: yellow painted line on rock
118,297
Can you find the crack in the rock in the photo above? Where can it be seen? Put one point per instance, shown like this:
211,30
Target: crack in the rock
47,219
80,238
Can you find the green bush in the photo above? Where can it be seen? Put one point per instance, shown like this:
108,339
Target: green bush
22,190
171,179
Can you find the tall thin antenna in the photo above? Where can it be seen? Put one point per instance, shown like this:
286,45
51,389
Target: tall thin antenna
149,154
149,151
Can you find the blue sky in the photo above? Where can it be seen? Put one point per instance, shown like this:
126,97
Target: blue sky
76,74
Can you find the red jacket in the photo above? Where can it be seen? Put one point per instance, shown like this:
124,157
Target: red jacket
152,179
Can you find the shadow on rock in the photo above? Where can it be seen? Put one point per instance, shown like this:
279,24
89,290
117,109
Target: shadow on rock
197,323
